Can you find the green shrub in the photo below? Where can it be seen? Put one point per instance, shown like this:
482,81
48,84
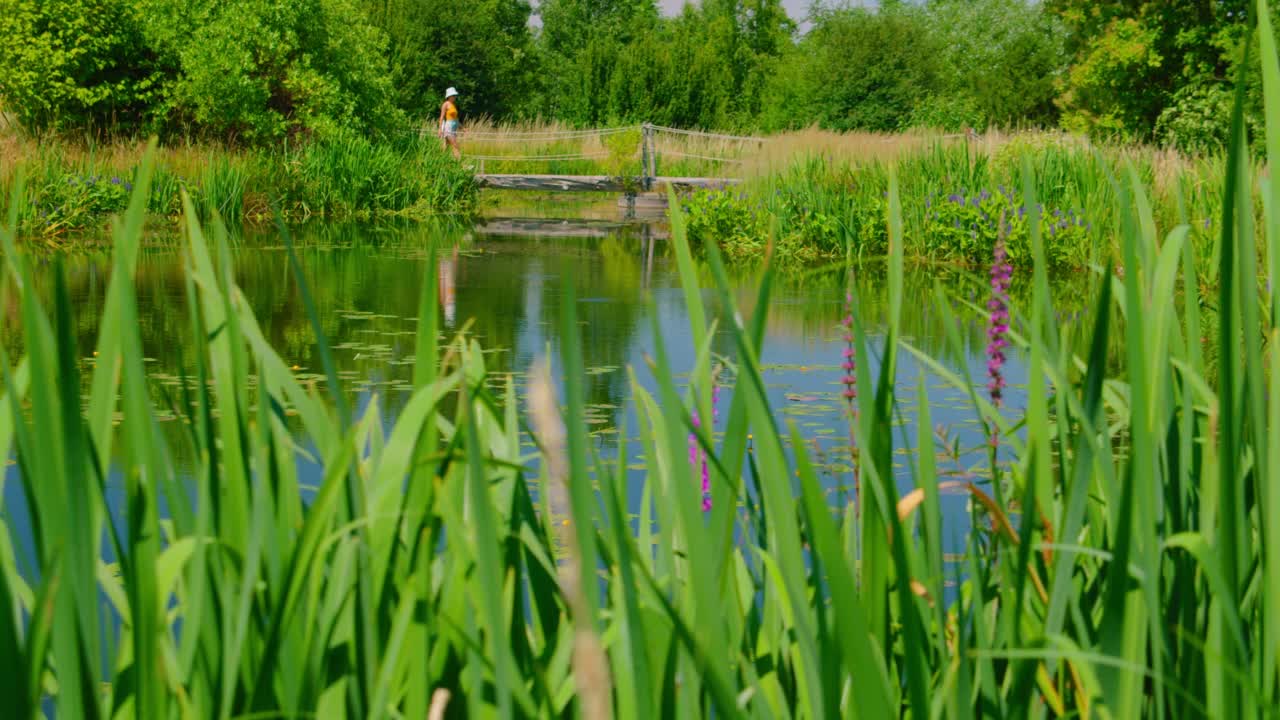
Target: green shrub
1197,119
1000,63
865,70
262,70
947,112
76,64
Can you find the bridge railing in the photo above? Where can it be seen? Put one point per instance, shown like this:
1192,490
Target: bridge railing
555,146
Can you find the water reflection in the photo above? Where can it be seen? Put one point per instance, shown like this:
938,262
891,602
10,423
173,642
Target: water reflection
505,288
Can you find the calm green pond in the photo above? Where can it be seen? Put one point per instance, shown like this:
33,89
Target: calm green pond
503,281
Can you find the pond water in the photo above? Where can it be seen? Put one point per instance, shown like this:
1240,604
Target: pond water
504,279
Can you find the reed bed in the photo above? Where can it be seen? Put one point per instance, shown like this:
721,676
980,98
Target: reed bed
1122,558
74,186
958,197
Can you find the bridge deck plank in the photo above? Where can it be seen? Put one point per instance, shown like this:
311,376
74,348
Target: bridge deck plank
590,183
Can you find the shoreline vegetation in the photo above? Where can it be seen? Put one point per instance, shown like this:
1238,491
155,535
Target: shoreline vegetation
810,196
1121,555
72,186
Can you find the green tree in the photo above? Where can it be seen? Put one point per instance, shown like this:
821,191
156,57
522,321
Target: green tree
571,25
75,64
486,51
748,37
1001,63
1132,59
618,62
584,44
858,70
261,70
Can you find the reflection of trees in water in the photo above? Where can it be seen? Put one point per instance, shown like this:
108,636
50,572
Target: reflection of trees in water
512,289
352,276
514,293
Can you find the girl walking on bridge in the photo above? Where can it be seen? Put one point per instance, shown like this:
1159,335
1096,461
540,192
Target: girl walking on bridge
449,122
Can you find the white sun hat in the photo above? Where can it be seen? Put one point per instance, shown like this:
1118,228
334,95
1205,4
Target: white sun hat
451,92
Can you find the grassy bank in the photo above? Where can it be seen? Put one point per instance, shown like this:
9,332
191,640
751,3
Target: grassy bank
73,185
959,196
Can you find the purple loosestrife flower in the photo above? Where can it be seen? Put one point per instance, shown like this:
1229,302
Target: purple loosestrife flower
715,416
850,393
998,328
850,379
696,458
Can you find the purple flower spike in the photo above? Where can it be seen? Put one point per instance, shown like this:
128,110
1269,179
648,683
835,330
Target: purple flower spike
850,379
696,458
998,328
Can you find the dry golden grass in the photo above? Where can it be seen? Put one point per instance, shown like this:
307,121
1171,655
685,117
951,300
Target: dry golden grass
840,147
119,156
539,146
534,146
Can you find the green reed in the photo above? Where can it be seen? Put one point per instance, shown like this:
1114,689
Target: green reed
1124,562
819,207
342,177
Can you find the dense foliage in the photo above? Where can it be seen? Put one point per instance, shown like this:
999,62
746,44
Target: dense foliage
264,69
484,47
76,64
258,71
1116,555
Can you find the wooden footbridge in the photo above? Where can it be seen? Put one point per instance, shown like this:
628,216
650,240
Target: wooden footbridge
605,146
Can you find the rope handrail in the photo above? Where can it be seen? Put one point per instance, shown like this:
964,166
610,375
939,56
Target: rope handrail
548,135
700,133
695,156
533,135
564,156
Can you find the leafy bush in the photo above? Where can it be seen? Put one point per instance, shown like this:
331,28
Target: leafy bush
487,52
1109,87
864,70
73,64
966,227
261,70
947,112
1000,61
1197,119
812,211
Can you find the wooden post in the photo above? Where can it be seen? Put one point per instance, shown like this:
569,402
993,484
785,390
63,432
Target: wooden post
647,161
644,156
